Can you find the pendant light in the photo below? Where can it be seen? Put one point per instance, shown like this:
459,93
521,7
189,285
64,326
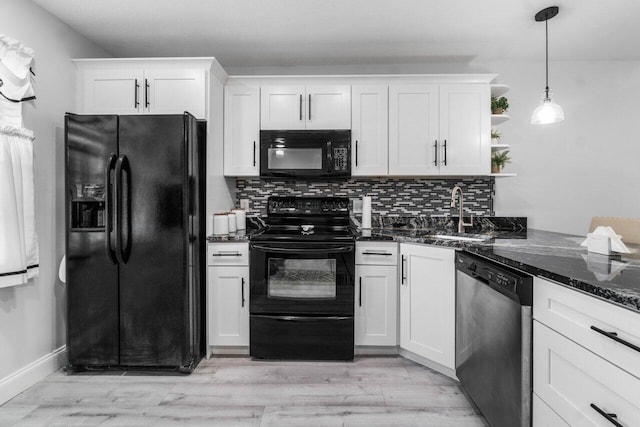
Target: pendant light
548,111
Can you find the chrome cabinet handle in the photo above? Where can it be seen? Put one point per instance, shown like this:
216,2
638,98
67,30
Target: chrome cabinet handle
435,152
146,93
242,285
377,253
135,94
609,417
445,152
614,336
227,254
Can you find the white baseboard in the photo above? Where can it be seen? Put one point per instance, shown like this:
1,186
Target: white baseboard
22,379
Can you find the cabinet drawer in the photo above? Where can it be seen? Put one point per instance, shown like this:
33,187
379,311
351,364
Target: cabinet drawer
574,381
377,253
573,314
228,254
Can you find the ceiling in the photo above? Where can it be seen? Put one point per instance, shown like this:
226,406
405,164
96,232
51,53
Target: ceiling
249,33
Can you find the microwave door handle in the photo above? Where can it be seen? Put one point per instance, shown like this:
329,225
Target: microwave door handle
329,157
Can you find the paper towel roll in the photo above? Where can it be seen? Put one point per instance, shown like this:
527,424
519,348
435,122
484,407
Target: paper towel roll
220,224
232,222
241,219
366,212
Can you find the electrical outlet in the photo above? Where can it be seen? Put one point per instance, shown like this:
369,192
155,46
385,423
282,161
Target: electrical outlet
357,205
244,204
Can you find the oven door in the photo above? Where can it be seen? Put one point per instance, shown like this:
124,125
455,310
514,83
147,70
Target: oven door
302,278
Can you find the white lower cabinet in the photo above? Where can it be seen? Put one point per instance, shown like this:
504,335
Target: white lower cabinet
228,295
427,302
581,387
543,416
376,299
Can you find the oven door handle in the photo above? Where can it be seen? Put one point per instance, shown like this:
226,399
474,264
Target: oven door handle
302,250
302,318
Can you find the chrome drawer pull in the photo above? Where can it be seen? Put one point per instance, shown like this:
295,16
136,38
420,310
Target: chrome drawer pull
227,254
614,336
609,417
377,253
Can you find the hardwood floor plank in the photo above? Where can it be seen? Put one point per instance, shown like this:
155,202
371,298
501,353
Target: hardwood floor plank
141,415
369,416
370,391
275,394
11,414
424,396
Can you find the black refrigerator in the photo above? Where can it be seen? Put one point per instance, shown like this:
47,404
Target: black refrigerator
135,240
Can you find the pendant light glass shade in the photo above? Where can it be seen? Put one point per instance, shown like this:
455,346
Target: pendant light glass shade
547,112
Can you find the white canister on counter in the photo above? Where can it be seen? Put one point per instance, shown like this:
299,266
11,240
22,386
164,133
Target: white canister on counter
366,211
241,219
232,222
220,224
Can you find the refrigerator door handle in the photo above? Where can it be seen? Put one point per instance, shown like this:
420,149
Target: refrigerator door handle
122,254
108,209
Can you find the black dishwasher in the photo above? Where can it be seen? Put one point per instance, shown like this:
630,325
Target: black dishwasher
493,339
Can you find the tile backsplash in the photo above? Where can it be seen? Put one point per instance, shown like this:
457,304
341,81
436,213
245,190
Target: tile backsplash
390,196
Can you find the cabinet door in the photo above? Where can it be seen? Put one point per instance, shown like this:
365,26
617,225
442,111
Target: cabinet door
282,107
427,302
413,130
109,91
370,130
376,305
574,382
228,306
241,131
464,143
328,107
174,91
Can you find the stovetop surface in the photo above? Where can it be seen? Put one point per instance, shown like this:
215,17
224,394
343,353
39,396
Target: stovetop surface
305,232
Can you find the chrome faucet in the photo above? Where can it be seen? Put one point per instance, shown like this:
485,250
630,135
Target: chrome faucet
461,223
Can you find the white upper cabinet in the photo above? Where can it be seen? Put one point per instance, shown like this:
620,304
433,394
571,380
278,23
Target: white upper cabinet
413,129
138,86
439,129
369,130
108,91
329,107
465,123
174,91
241,131
305,107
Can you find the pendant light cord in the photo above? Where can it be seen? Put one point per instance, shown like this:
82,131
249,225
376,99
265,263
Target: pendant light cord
546,37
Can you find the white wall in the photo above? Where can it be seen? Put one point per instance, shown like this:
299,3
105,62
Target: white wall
588,165
32,316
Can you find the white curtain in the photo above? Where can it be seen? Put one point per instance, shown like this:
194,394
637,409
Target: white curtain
18,239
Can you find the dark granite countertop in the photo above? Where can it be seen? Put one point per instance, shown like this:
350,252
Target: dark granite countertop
550,255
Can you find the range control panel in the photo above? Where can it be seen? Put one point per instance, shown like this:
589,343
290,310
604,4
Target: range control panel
308,206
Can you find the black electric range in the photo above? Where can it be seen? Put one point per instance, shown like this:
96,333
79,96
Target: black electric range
302,281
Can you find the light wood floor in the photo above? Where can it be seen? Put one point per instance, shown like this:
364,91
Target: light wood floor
371,391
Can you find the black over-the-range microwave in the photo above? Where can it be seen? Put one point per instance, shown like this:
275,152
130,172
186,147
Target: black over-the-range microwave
305,154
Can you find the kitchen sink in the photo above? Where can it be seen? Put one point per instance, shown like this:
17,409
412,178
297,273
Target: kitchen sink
458,237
